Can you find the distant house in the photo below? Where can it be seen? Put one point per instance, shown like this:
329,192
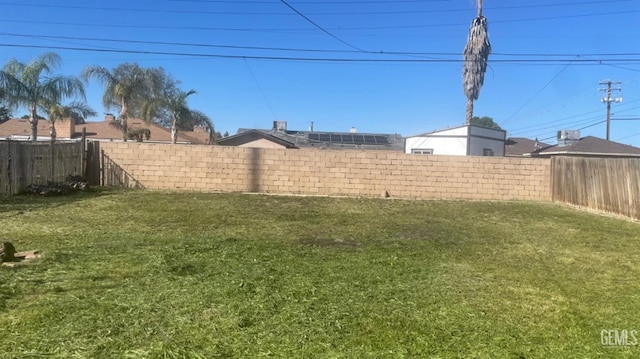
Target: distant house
466,140
521,146
255,139
570,144
589,146
20,129
280,137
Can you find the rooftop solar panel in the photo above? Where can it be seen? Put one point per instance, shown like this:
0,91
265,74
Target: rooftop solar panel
349,138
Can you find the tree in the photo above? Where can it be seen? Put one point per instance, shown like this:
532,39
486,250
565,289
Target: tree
34,86
170,109
174,102
476,54
197,118
72,112
128,88
484,122
5,114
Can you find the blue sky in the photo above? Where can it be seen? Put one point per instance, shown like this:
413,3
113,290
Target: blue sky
389,66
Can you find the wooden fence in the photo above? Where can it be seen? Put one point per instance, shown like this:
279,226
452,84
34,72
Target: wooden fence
605,184
23,163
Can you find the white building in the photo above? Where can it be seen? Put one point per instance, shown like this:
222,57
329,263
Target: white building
466,140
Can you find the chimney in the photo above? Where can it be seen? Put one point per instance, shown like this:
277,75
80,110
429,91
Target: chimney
65,128
353,130
109,117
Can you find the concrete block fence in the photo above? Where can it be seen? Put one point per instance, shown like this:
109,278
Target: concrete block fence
326,172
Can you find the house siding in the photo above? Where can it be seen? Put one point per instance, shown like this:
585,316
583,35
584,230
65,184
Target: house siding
459,141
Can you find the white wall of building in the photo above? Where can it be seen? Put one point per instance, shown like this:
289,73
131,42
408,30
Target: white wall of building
446,142
458,141
482,138
262,143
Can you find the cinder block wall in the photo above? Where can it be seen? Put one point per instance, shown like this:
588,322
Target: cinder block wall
331,172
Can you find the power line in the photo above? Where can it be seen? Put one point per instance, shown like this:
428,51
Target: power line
536,127
320,27
264,96
493,21
110,25
555,127
561,121
629,136
538,92
620,67
582,128
511,7
191,44
309,59
316,2
79,38
540,131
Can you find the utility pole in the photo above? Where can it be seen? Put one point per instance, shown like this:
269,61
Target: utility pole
608,99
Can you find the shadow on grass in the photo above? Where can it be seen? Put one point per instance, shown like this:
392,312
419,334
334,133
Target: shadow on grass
29,202
323,242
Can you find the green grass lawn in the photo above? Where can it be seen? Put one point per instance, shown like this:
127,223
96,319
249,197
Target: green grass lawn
137,274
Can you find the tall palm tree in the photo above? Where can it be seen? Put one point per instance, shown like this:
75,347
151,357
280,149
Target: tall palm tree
476,54
34,86
126,86
71,111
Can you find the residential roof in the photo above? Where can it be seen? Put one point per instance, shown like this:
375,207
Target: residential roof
521,146
201,135
592,146
455,127
331,140
21,127
103,130
253,135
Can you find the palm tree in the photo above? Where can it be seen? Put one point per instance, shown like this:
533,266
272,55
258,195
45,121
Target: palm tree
126,86
5,113
177,106
72,111
476,54
198,118
33,86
